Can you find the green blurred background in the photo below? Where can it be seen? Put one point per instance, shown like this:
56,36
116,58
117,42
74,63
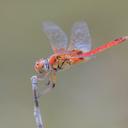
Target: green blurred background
91,95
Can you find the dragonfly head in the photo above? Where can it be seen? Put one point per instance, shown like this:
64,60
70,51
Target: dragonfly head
41,66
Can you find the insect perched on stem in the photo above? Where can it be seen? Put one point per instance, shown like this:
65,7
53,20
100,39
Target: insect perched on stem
65,55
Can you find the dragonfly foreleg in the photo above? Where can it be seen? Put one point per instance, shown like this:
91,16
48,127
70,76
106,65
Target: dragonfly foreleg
50,84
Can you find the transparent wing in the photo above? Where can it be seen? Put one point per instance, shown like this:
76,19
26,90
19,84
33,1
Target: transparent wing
56,36
80,38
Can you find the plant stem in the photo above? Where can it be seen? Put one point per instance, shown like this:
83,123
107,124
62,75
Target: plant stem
37,113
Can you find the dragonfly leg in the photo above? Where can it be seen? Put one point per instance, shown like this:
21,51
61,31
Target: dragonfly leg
52,79
41,77
50,83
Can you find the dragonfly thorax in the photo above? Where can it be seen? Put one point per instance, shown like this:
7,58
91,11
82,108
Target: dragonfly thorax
60,62
46,65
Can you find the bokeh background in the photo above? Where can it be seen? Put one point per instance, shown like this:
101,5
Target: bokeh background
91,95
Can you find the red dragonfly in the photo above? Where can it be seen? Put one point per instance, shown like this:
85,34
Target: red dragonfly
65,55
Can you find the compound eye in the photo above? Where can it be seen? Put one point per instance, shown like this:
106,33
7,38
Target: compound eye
38,66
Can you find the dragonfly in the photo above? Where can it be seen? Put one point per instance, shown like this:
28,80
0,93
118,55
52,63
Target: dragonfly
67,53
